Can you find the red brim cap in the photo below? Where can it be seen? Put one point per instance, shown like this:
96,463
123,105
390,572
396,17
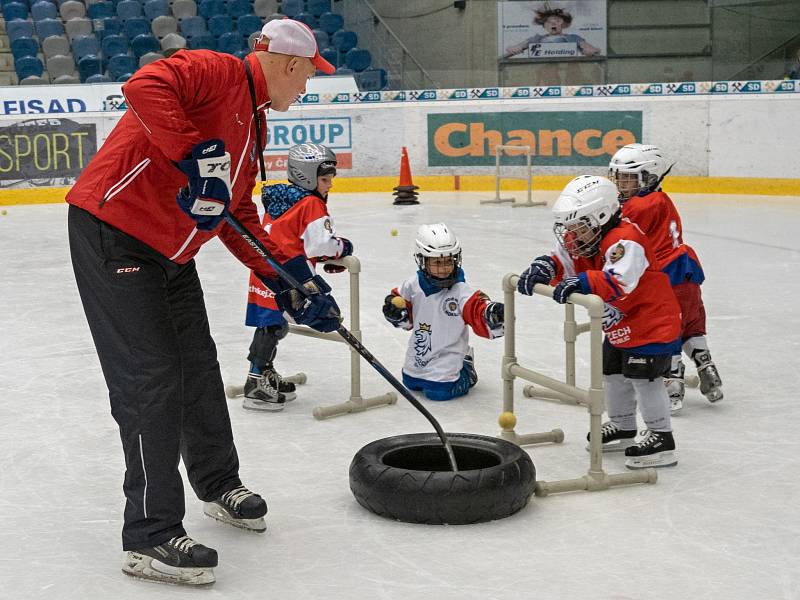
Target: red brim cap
322,64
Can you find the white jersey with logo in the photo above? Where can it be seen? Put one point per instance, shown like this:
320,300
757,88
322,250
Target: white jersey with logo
439,333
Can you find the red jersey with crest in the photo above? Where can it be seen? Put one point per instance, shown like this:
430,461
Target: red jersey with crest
299,223
641,311
657,217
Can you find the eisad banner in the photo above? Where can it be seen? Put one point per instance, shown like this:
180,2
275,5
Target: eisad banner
556,139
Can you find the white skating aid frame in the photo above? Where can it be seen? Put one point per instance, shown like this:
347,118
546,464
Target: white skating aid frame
564,391
356,403
498,150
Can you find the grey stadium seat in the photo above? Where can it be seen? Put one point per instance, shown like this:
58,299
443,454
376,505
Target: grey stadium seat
184,8
163,26
72,9
78,28
264,8
173,41
149,57
36,80
60,65
63,79
55,44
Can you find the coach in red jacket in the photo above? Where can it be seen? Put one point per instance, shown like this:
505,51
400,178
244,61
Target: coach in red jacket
183,154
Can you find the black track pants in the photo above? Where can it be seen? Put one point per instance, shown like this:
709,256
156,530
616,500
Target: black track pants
149,325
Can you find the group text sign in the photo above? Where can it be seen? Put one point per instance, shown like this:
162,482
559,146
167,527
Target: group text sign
282,134
46,149
556,139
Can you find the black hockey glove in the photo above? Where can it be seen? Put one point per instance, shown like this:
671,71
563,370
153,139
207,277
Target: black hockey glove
494,315
319,310
565,288
209,192
396,315
542,270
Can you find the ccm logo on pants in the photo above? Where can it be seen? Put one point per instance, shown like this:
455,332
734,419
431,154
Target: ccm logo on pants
128,269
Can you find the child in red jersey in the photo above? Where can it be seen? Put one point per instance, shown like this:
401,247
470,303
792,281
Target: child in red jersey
296,216
638,170
601,253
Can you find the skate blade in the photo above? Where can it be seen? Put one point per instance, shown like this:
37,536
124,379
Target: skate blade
618,446
145,568
258,406
656,461
216,512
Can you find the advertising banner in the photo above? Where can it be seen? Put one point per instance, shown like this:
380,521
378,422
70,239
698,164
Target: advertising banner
551,30
557,138
334,132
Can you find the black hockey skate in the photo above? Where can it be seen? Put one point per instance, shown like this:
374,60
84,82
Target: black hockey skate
710,382
614,438
180,561
655,449
287,388
260,394
239,507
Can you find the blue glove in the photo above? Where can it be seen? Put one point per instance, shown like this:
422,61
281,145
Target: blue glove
319,310
566,287
395,315
209,192
347,247
542,270
494,315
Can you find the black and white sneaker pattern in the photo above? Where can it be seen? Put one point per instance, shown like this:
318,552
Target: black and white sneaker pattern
239,507
655,449
179,561
260,394
614,438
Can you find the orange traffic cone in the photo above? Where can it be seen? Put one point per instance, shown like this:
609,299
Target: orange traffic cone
405,192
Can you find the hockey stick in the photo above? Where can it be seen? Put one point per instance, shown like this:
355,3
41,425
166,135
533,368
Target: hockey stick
262,251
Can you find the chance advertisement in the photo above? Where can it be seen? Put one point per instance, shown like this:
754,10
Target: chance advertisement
46,149
555,139
538,30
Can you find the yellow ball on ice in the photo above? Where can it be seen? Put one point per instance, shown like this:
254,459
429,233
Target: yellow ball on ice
393,232
507,420
399,302
3,212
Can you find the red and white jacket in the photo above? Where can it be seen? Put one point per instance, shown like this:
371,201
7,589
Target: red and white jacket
173,104
641,310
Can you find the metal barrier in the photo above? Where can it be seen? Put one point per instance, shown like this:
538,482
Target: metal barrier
565,392
498,150
356,403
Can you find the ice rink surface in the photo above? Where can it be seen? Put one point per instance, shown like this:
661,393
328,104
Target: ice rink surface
723,524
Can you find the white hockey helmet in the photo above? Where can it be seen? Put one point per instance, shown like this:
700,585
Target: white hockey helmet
437,241
585,210
309,161
645,161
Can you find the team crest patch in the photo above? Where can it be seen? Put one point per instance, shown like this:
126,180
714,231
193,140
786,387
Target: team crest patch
422,344
451,307
327,225
617,253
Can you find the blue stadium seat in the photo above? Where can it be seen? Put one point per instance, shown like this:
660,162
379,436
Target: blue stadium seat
331,55
239,8
47,27
101,10
292,8
248,24
317,7
330,22
121,65
109,26
220,24
192,26
230,42
97,78
27,66
24,47
203,41
371,80
136,26
344,40
44,10
18,29
84,46
358,59
114,44
144,43
308,19
209,8
344,71
323,41
127,9
89,65
155,8
15,10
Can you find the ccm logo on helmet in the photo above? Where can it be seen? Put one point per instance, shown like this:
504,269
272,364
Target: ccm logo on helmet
128,269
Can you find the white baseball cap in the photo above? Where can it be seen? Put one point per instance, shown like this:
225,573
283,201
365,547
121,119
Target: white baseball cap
287,36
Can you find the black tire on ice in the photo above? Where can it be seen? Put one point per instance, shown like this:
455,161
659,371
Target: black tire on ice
408,478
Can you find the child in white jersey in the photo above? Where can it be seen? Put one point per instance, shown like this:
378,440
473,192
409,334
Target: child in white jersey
437,304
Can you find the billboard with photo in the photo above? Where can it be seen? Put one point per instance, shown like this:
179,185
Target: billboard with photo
551,29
